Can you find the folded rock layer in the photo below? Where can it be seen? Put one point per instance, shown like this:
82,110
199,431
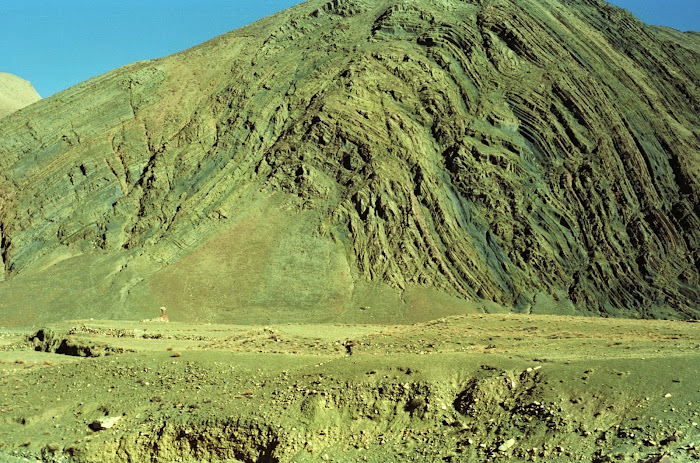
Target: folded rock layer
359,160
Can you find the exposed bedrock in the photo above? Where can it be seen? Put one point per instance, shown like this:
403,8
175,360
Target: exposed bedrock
542,155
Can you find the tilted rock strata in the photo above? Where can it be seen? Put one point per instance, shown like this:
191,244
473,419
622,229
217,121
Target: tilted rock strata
534,154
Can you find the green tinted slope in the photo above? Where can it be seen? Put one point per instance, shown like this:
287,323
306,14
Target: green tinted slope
539,155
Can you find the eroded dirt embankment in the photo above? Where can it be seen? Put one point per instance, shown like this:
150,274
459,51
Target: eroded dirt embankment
495,415
474,388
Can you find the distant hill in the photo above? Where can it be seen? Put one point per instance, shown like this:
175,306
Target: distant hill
357,160
15,94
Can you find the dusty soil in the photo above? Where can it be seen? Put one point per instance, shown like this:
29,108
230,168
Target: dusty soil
467,388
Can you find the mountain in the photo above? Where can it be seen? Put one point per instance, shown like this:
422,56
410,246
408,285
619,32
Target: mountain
357,160
15,94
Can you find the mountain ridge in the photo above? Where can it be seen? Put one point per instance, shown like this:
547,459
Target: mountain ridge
540,156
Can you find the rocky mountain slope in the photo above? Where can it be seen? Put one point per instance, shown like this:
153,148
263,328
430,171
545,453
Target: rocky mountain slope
360,160
15,94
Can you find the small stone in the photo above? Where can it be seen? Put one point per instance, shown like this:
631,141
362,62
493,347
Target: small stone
506,445
106,422
667,396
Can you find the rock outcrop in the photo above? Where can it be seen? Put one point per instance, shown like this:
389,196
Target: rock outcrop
15,94
368,160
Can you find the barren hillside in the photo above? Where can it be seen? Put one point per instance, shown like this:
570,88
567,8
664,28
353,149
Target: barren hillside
367,161
15,94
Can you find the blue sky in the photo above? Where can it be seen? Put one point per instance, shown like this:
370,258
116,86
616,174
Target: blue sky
683,15
58,43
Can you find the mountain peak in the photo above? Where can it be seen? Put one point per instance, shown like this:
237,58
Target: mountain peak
15,94
420,159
